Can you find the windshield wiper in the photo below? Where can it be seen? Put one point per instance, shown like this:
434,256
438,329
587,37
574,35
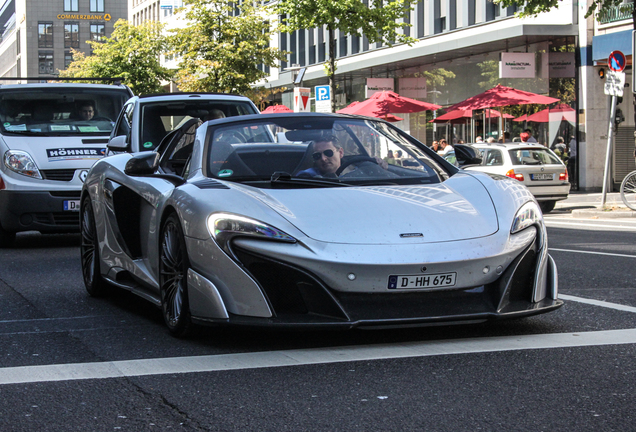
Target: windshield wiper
286,178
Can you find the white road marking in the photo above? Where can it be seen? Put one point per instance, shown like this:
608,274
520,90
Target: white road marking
301,357
623,225
592,252
598,303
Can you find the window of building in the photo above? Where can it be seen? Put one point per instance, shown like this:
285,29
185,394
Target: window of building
98,32
45,35
45,62
68,59
71,6
71,35
97,6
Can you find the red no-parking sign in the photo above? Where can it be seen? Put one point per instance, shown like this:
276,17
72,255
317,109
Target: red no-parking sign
616,61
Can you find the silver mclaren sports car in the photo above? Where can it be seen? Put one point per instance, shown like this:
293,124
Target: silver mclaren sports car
312,220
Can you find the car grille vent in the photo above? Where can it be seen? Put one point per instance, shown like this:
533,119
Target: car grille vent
209,184
58,175
57,218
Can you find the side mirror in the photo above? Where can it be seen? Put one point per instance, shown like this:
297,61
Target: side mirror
118,144
142,164
467,155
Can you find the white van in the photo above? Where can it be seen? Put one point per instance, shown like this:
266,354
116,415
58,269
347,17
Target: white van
50,135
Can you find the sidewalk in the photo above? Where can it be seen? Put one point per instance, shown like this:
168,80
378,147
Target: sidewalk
588,205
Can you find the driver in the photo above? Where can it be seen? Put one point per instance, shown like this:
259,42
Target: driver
86,111
327,158
327,155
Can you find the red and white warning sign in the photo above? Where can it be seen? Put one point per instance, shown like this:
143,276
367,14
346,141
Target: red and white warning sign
301,99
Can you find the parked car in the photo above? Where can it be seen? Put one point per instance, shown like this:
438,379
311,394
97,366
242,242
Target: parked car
537,167
145,120
296,220
50,135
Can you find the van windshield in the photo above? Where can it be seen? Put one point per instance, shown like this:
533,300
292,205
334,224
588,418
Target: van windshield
60,110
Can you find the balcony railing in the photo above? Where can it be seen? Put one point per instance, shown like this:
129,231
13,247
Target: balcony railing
616,13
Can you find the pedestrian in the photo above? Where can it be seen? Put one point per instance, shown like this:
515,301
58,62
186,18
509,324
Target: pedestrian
524,137
531,139
435,146
445,147
479,139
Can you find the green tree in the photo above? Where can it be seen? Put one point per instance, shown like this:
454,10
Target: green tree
131,52
222,45
378,20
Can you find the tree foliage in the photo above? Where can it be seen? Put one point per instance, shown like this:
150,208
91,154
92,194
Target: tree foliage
378,20
222,45
131,52
535,7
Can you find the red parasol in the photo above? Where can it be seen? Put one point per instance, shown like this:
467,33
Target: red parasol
276,109
522,118
502,96
386,102
558,113
458,116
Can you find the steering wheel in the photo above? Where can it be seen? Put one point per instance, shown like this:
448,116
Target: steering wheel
232,136
354,160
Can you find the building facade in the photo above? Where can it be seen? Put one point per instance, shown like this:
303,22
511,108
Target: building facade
461,46
38,35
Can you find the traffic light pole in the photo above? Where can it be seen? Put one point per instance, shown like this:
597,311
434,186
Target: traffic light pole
608,155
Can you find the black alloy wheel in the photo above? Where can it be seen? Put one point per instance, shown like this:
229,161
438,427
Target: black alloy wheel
93,280
173,275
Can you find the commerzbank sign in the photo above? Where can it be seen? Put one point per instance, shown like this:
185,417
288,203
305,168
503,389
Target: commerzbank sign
92,17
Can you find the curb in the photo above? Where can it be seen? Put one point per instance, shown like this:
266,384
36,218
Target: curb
600,214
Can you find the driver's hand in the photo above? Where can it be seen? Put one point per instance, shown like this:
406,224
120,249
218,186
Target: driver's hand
384,164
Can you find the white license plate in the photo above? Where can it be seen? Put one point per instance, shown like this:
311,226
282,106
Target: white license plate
72,205
422,281
542,176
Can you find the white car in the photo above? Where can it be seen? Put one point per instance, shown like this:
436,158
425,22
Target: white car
145,120
47,148
535,166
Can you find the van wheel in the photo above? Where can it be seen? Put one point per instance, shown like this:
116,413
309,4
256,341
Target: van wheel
6,238
547,206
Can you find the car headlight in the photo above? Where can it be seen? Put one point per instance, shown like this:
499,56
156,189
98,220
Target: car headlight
528,214
225,226
22,163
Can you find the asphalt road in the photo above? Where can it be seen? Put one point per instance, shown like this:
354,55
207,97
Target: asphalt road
69,362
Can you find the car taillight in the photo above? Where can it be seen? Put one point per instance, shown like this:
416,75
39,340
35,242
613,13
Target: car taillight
564,175
512,174
2,185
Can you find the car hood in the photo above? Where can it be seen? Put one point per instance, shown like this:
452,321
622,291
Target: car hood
60,152
458,209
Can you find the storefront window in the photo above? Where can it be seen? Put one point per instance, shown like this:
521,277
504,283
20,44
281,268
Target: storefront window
45,62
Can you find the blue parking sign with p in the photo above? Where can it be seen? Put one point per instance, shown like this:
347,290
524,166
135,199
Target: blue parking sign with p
323,93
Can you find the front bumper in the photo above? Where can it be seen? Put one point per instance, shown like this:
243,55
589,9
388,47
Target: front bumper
38,211
299,299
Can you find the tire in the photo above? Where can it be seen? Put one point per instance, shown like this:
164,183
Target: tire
173,274
6,238
547,206
628,190
95,284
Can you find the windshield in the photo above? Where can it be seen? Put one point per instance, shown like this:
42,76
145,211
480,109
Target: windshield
159,118
60,111
533,156
318,150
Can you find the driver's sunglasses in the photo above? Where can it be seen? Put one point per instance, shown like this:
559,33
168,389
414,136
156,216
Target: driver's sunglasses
329,153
